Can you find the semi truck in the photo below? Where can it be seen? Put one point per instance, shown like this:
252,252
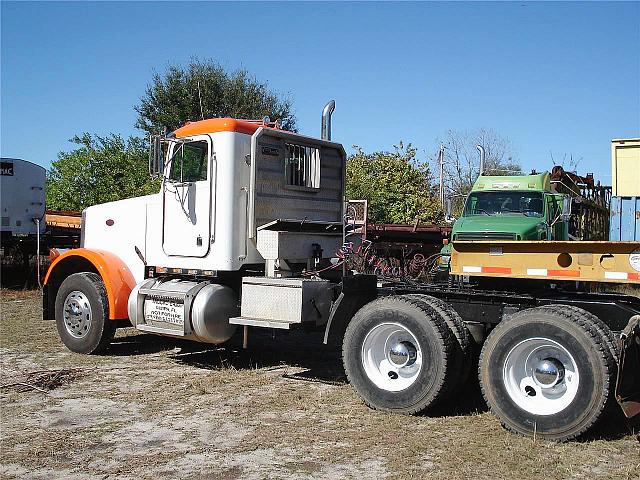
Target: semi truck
248,232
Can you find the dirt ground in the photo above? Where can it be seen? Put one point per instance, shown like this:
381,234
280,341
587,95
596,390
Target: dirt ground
158,408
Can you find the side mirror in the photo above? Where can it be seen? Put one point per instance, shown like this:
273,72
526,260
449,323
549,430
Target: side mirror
566,208
156,156
448,215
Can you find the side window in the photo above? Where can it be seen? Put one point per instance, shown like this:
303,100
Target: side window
302,166
190,162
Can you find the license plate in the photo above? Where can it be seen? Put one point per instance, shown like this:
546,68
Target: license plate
164,311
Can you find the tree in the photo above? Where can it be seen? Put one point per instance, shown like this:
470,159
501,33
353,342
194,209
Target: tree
100,169
462,159
398,188
203,89
104,169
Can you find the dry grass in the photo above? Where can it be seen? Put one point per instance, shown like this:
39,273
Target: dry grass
159,408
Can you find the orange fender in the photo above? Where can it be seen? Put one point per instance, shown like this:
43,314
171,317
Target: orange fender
115,274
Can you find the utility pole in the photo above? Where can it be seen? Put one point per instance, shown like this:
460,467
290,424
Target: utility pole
441,161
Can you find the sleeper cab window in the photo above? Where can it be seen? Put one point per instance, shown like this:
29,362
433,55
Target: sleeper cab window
302,167
190,162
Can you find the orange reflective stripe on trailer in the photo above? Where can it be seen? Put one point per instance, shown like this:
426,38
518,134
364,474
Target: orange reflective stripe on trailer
622,276
477,269
563,273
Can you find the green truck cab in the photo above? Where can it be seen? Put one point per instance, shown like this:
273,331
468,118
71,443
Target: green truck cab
521,207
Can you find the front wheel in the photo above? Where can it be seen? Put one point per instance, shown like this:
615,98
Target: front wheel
547,372
82,314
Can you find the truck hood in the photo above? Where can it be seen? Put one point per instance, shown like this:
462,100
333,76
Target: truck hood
518,224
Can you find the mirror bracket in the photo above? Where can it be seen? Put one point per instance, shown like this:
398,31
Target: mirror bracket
448,211
566,208
156,157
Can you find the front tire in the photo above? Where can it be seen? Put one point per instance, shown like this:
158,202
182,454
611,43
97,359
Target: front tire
547,372
82,314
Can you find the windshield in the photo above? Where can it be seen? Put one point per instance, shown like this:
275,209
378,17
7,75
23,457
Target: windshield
505,203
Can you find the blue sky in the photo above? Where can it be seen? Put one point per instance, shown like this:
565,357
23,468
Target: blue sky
551,77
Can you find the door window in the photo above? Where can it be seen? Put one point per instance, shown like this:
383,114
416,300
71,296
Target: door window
189,162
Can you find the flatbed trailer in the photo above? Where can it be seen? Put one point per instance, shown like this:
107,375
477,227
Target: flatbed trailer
523,319
63,228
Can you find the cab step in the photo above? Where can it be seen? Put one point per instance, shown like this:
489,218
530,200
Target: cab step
261,322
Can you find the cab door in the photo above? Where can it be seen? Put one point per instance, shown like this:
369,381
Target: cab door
187,198
557,228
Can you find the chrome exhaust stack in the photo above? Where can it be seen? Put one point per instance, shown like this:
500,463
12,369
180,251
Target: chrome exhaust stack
327,111
482,158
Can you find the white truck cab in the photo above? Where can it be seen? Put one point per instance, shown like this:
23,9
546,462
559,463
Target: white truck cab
238,198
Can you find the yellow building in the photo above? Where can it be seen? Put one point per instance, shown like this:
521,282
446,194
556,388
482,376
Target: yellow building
625,167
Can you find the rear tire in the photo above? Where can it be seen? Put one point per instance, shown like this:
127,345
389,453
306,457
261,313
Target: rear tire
397,354
575,313
548,372
462,357
82,314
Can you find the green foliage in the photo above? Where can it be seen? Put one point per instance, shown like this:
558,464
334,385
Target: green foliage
105,169
398,188
172,99
100,169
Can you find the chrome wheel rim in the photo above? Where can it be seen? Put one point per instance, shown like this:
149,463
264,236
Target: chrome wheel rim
541,376
391,357
77,314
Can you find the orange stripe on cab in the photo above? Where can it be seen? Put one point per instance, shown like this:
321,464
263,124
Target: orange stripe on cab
214,125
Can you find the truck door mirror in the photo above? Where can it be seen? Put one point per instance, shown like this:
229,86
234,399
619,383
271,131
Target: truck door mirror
566,208
448,211
156,156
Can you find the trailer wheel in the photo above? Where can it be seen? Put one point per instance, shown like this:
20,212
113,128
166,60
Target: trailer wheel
82,313
547,372
462,357
397,354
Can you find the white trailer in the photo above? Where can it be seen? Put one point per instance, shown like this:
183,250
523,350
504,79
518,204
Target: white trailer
22,198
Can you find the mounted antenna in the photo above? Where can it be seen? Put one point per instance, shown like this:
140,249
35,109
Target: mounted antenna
200,99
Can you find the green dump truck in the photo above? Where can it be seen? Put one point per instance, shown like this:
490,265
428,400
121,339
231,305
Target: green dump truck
522,207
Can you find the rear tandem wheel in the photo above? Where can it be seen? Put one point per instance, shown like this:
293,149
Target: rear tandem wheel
398,354
463,347
548,371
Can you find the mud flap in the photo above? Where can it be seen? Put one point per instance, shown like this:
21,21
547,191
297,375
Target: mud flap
628,384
